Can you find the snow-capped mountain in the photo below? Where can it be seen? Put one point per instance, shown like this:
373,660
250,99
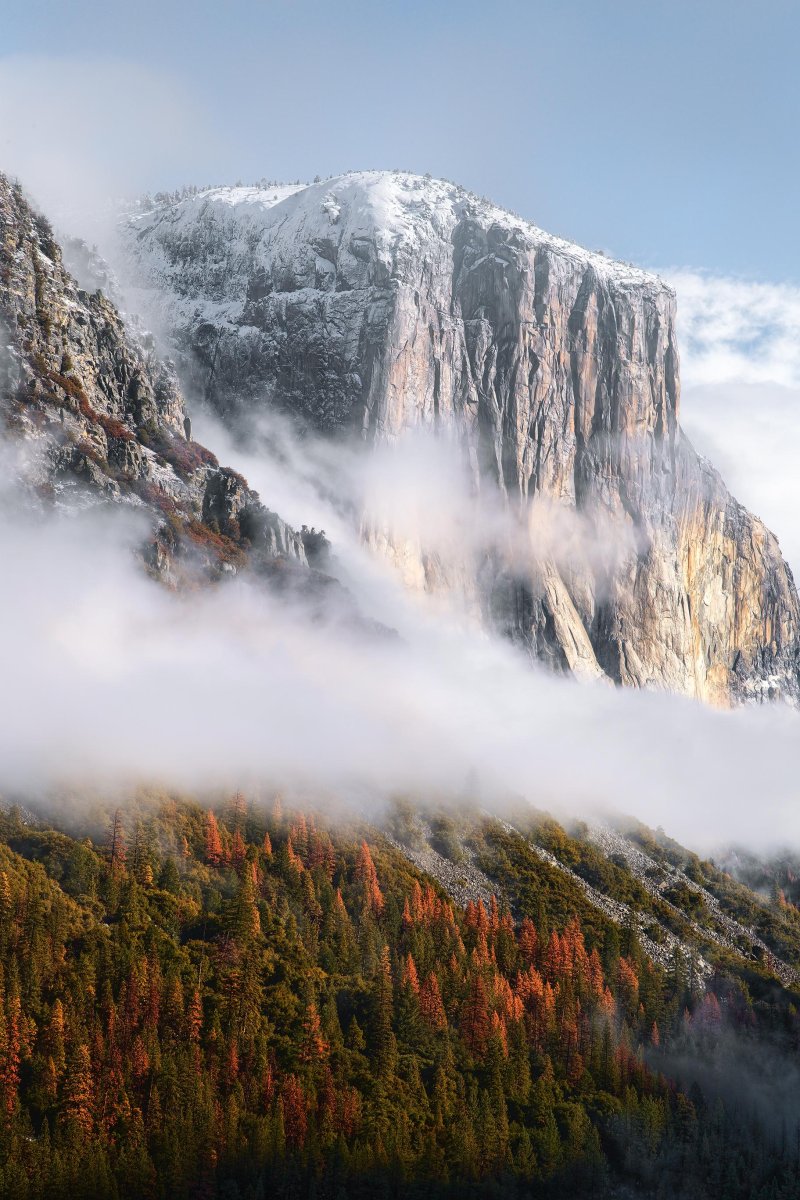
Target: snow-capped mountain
245,272
378,302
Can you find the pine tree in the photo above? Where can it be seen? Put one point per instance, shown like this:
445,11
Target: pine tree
475,1018
313,1047
79,1092
383,1040
295,1113
409,975
5,901
214,854
430,1003
368,878
238,850
116,843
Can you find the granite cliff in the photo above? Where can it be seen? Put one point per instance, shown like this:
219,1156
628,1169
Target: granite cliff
374,303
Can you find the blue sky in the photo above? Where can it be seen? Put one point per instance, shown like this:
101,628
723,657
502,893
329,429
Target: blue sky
663,132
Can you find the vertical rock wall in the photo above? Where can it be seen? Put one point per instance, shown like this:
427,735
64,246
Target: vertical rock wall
377,303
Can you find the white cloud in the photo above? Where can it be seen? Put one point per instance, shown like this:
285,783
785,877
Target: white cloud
740,368
737,331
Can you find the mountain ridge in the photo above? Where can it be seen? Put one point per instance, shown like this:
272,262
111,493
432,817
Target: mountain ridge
86,391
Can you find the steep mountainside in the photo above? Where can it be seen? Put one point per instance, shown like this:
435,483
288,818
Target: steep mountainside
100,418
377,302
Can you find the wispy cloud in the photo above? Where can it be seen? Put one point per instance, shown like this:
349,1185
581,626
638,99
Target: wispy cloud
740,366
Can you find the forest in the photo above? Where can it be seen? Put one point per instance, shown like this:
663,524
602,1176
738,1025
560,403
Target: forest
242,1002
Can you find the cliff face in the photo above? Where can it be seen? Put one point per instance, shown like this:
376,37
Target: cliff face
104,417
380,302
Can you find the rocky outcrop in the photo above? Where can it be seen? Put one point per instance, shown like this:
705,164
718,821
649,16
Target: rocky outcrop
380,302
717,926
103,419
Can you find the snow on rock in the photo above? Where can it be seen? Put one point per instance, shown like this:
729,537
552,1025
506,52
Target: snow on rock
245,261
379,302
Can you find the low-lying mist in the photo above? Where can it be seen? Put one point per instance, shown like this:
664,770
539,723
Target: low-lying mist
111,680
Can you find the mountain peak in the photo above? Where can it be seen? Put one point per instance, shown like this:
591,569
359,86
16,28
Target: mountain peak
398,209
376,303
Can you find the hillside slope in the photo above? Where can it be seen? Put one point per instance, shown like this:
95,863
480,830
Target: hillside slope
246,1003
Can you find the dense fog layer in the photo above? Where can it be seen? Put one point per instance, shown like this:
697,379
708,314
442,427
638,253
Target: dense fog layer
112,680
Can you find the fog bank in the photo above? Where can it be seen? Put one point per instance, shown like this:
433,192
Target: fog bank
111,680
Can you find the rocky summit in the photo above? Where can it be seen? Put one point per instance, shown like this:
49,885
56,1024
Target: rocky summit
101,419
378,302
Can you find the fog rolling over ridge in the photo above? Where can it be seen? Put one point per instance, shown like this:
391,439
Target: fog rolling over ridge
369,688
125,683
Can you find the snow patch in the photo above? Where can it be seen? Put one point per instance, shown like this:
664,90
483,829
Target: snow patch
204,249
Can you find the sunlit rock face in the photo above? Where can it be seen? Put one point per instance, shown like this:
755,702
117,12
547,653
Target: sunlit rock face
376,303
